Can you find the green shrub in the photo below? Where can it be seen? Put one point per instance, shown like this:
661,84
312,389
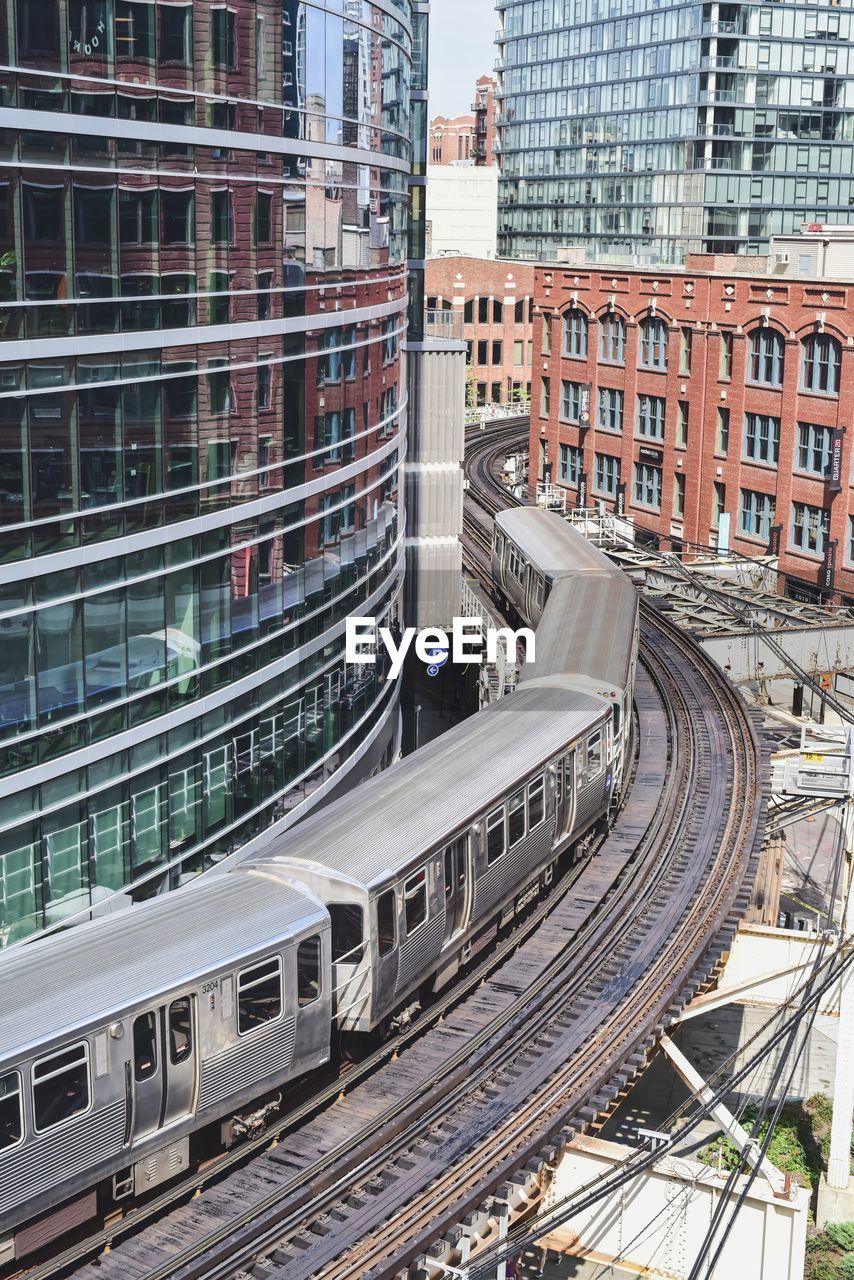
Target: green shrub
842,1234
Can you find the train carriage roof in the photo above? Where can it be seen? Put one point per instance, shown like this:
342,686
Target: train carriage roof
551,543
419,803
96,972
587,630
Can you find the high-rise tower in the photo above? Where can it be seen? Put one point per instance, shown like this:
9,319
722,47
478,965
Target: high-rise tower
203,294
650,129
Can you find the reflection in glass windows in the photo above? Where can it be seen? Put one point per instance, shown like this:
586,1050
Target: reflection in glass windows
151,241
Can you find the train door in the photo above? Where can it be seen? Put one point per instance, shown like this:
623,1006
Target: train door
456,884
163,1067
565,793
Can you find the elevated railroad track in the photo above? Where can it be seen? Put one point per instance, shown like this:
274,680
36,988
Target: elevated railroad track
361,1186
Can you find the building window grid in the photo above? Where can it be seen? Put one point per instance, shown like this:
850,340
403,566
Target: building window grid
761,438
653,344
575,335
682,424
814,446
648,485
756,514
607,474
766,357
545,397
820,364
609,416
612,340
725,359
570,401
570,459
685,351
722,432
810,528
140,225
650,420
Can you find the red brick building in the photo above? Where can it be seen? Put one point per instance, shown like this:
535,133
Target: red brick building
484,119
713,404
452,139
495,297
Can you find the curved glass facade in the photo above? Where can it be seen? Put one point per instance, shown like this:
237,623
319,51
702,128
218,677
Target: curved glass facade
649,130
203,295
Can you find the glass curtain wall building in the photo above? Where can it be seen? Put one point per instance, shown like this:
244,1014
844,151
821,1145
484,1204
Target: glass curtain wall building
203,295
652,129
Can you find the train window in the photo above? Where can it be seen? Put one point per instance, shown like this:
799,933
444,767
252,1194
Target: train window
180,1030
144,1046
259,994
11,1114
515,564
449,871
347,932
594,755
517,817
309,980
386,922
581,775
415,900
60,1086
494,836
536,802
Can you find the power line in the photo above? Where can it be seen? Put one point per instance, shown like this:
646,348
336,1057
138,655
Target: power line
585,1197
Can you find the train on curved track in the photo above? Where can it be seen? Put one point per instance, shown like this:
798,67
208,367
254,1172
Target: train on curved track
133,1047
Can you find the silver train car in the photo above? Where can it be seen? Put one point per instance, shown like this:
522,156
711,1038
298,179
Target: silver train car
584,609
132,1045
122,1038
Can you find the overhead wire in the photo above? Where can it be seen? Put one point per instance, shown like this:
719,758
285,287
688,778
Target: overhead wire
585,1197
723,1203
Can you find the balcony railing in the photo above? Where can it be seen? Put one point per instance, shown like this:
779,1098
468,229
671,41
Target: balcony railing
444,324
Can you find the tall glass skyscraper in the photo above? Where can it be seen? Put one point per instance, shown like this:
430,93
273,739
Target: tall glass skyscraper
652,128
203,294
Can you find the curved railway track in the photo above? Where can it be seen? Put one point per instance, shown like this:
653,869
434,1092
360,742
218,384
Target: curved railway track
363,1186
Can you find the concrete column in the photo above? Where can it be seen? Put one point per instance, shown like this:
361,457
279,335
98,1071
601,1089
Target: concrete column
501,1209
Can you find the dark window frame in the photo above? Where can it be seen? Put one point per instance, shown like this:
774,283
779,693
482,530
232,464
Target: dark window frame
179,1053
38,1082
309,988
257,974
415,897
766,357
386,937
8,1093
495,821
536,787
821,363
515,807
145,1068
